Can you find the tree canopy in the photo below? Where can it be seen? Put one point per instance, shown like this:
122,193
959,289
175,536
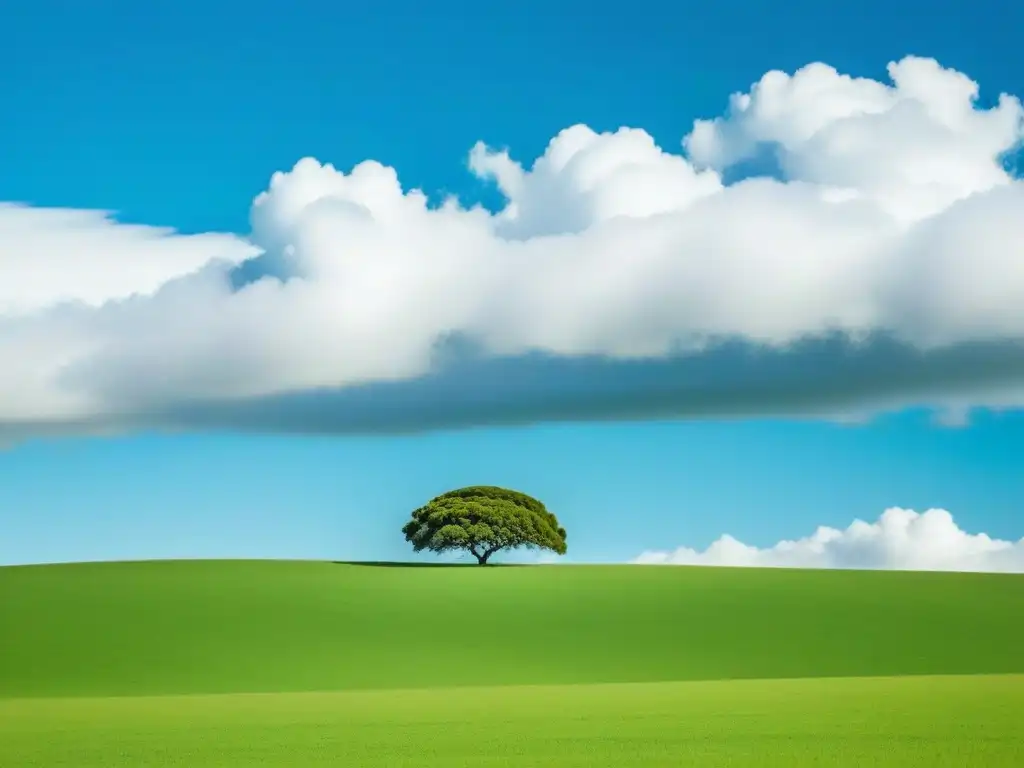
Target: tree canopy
482,520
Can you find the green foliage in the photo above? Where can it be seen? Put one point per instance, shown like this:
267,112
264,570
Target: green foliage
482,520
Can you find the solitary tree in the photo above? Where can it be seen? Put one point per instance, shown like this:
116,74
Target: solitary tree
482,520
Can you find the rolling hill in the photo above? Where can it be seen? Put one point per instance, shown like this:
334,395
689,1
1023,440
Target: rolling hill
188,627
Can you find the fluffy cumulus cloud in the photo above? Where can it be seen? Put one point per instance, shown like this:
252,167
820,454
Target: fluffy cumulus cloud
880,265
901,539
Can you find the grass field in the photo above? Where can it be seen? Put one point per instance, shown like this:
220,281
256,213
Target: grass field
908,721
308,664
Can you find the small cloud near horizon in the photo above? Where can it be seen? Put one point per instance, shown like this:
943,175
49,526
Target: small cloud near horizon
901,539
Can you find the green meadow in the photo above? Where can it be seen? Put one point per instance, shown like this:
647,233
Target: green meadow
237,663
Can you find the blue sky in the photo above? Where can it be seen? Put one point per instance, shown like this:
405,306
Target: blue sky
176,115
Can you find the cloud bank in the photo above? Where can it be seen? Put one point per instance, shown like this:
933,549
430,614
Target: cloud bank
901,539
878,263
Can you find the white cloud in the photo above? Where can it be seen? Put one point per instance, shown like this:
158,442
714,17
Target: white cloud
52,256
901,539
62,273
895,215
935,147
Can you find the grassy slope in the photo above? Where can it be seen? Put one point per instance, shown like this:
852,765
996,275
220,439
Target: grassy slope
951,722
208,627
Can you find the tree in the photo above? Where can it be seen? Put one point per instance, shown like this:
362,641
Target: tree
482,520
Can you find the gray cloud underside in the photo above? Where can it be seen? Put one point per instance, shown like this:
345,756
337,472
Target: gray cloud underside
830,378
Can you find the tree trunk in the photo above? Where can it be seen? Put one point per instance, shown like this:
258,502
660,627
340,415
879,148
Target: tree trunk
482,557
